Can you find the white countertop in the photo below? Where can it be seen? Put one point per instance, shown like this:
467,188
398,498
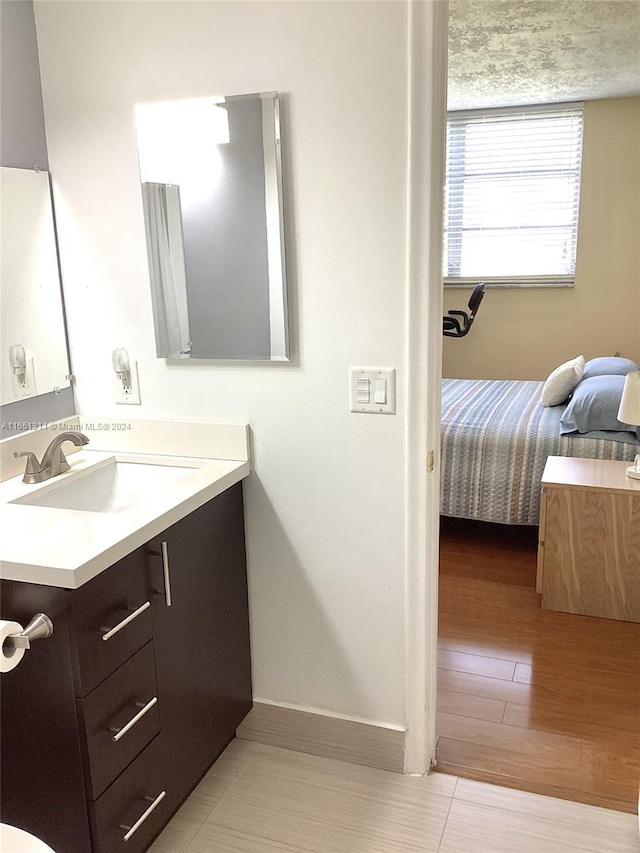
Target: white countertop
66,548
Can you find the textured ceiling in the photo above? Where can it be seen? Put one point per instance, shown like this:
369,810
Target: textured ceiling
537,51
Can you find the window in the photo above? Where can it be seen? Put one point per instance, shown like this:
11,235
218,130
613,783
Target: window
512,195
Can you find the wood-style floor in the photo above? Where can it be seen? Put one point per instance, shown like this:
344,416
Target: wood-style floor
533,699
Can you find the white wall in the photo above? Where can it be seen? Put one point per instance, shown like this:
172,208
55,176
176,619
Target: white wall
325,507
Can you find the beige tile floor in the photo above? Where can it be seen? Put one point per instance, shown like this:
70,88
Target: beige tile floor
261,799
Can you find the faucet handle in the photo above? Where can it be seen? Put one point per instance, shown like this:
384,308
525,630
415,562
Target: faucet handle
34,472
33,466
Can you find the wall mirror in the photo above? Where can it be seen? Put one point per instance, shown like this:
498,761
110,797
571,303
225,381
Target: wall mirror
212,196
34,357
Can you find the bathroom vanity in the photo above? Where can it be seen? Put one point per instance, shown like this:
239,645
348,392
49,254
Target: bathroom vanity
111,722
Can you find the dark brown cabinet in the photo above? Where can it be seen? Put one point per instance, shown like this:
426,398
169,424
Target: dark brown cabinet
109,724
202,648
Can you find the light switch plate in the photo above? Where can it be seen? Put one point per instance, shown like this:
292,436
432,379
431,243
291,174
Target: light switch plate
129,397
387,374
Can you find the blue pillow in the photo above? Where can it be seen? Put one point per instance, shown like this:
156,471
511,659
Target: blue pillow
595,405
608,365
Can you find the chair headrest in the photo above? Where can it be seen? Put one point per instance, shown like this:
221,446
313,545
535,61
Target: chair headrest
476,297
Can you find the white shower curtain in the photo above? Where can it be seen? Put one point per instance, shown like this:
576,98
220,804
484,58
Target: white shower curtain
163,222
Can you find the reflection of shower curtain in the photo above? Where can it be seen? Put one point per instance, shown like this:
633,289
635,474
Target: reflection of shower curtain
163,221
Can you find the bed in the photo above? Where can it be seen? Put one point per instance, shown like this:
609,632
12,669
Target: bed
495,440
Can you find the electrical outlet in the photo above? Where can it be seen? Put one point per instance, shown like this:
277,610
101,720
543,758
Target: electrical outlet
128,396
28,388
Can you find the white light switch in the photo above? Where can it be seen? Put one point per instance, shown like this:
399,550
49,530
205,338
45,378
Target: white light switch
363,391
373,390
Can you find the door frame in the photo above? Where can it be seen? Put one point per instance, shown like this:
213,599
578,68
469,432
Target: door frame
427,113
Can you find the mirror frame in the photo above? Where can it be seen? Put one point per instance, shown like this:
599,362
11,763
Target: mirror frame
179,217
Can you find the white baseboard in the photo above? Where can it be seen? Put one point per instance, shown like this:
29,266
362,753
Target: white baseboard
326,736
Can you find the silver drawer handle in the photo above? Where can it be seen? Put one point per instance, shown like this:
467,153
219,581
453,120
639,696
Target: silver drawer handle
143,817
109,632
120,732
165,571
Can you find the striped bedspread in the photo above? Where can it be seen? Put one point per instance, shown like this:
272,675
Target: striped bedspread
495,441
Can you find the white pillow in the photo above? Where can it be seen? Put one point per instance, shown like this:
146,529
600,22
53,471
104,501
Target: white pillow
562,381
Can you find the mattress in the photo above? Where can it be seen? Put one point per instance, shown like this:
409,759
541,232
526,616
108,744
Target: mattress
495,440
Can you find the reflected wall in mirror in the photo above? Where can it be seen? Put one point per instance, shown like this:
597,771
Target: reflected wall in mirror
212,196
34,352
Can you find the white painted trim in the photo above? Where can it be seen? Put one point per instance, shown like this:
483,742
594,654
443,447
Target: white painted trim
310,710
327,735
426,157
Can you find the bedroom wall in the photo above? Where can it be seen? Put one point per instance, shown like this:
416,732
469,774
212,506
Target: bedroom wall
525,333
325,507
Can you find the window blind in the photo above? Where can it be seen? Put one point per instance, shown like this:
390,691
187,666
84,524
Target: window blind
512,194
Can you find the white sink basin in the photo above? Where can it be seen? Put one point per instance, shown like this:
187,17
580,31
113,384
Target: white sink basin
110,487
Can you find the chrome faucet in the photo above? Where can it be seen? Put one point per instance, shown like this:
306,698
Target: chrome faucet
53,462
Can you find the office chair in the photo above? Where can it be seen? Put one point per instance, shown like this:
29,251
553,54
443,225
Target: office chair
453,327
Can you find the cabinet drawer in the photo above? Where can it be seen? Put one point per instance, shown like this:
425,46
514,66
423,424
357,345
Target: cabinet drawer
125,817
119,718
111,619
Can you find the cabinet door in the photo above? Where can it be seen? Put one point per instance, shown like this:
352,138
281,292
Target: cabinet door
202,639
592,553
42,784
